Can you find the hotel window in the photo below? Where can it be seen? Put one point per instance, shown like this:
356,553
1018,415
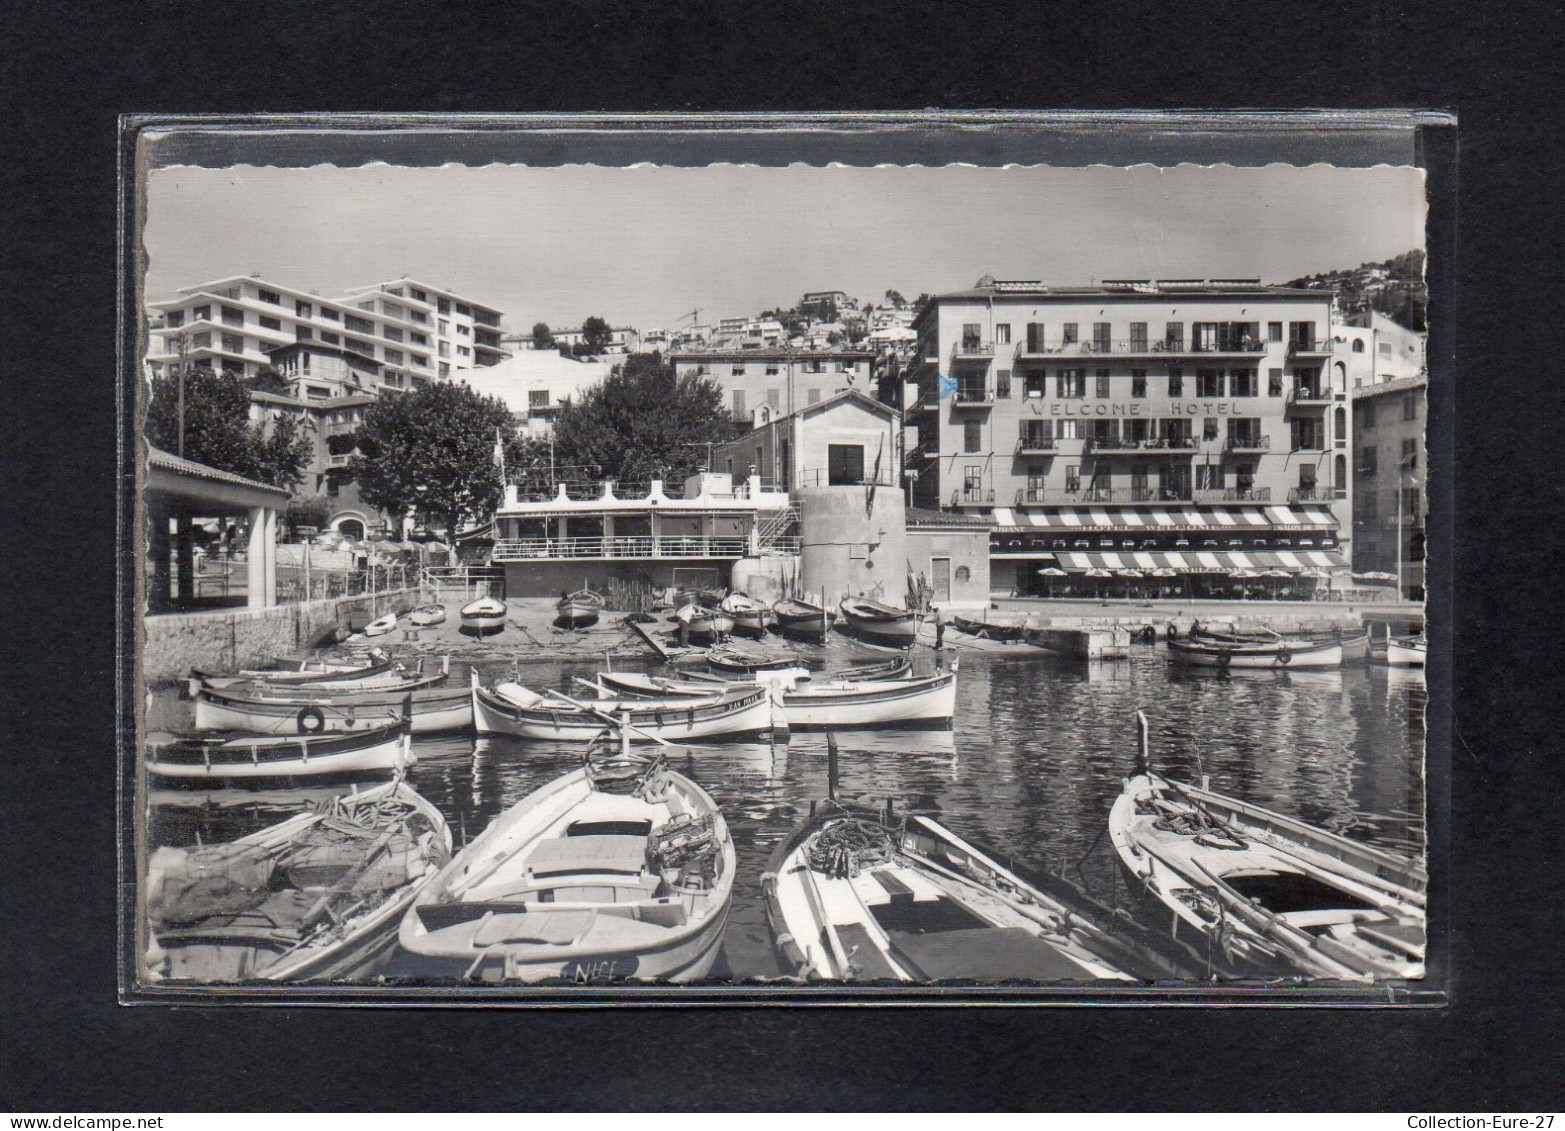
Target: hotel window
1209,428
304,360
358,347
972,436
445,327
1035,337
359,325
1244,477
1138,382
1002,334
1409,407
1176,382
393,357
1103,392
1342,424
1138,483
201,314
464,310
269,296
1302,335
1136,430
1209,476
443,349
538,398
443,305
393,310
232,316
1274,382
1071,383
1037,482
419,360
1308,435
370,306
414,292
1100,337
1138,337
1358,345
392,334
1366,411
737,371
1410,455
303,310
174,319
1034,385
463,351
1174,335
330,314
1070,430
419,316
1072,478
1002,385
202,340
445,368
233,343
330,338
302,333
1274,331
1069,336
419,339
771,370
1241,382
1411,506
270,323
1037,435
970,335
465,331
1208,382
973,479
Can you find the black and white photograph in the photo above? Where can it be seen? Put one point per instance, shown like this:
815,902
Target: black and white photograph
579,580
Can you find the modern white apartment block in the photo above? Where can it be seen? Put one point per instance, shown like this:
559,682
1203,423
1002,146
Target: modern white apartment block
406,331
1187,416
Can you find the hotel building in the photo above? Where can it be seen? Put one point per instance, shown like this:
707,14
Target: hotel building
408,331
778,382
1390,504
1187,427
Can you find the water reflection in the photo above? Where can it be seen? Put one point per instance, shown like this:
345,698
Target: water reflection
1031,767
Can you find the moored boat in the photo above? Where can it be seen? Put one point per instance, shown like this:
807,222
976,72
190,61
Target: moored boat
318,896
618,870
1409,652
928,702
392,679
705,623
1258,654
1265,892
750,615
1355,646
487,614
510,708
801,618
308,671
302,712
428,615
1005,633
730,661
855,896
896,668
579,609
878,623
218,760
381,625
647,686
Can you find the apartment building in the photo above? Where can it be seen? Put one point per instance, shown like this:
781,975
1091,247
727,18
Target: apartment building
1185,426
410,331
778,382
1390,465
536,384
330,423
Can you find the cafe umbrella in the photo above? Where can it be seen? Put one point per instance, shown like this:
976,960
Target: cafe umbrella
1051,572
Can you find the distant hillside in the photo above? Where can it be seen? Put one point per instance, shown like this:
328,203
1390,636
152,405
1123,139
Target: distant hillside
1394,287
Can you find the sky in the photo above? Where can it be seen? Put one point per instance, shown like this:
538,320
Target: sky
646,246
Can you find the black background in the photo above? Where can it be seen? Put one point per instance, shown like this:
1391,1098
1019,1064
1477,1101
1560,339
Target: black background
65,1044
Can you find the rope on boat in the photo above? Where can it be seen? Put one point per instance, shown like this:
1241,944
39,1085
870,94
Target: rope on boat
845,848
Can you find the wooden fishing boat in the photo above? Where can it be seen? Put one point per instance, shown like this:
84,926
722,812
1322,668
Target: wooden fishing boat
927,702
428,615
510,708
618,870
881,624
381,625
1005,633
704,623
579,609
897,668
316,897
433,709
218,760
693,686
1266,892
487,614
730,661
749,615
1354,646
393,679
854,896
309,671
800,618
1409,652
1259,654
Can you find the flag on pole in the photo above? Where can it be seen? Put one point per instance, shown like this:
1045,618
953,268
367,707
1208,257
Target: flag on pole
499,455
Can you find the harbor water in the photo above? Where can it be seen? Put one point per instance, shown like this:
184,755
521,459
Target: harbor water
1031,767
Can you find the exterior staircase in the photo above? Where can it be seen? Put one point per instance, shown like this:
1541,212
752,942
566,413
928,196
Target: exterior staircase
779,531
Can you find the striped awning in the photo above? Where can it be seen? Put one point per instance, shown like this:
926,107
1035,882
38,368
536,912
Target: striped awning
1164,518
1201,561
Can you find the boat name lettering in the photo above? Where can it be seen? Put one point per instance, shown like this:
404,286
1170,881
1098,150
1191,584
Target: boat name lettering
602,969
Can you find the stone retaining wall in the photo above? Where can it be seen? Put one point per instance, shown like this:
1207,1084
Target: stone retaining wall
223,639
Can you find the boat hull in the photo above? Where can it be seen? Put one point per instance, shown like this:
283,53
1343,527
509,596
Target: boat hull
573,615
1400,655
263,758
433,711
880,624
921,702
427,616
381,626
794,618
739,717
484,615
1242,656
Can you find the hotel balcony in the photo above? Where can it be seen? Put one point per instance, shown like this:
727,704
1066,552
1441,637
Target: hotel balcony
1153,447
633,548
1068,495
1036,446
921,453
1138,347
1314,347
973,497
1305,397
969,348
972,396
1244,443
1316,494
1233,495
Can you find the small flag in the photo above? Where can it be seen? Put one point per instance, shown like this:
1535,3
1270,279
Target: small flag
499,449
947,387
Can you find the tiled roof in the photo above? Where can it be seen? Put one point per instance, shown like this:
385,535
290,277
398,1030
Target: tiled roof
918,517
1398,385
157,457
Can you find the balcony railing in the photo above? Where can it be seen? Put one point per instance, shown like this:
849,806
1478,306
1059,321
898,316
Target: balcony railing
1136,347
616,549
969,347
972,396
1309,345
972,497
1154,446
1316,494
822,477
1243,443
1069,495
1036,445
1308,396
1233,495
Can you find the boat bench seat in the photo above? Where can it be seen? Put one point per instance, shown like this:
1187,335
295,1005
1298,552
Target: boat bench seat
587,855
553,928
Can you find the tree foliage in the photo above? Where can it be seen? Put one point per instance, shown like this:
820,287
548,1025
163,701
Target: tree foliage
543,337
268,380
894,298
595,335
432,448
307,510
218,431
643,422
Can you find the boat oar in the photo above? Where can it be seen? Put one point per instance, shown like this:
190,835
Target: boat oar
626,723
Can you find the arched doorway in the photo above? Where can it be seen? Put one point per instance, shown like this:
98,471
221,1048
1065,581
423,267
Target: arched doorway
350,528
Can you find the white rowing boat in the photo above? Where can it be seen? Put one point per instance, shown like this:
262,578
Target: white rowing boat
510,708
381,625
434,709
1410,652
879,623
487,614
618,870
1276,654
218,760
